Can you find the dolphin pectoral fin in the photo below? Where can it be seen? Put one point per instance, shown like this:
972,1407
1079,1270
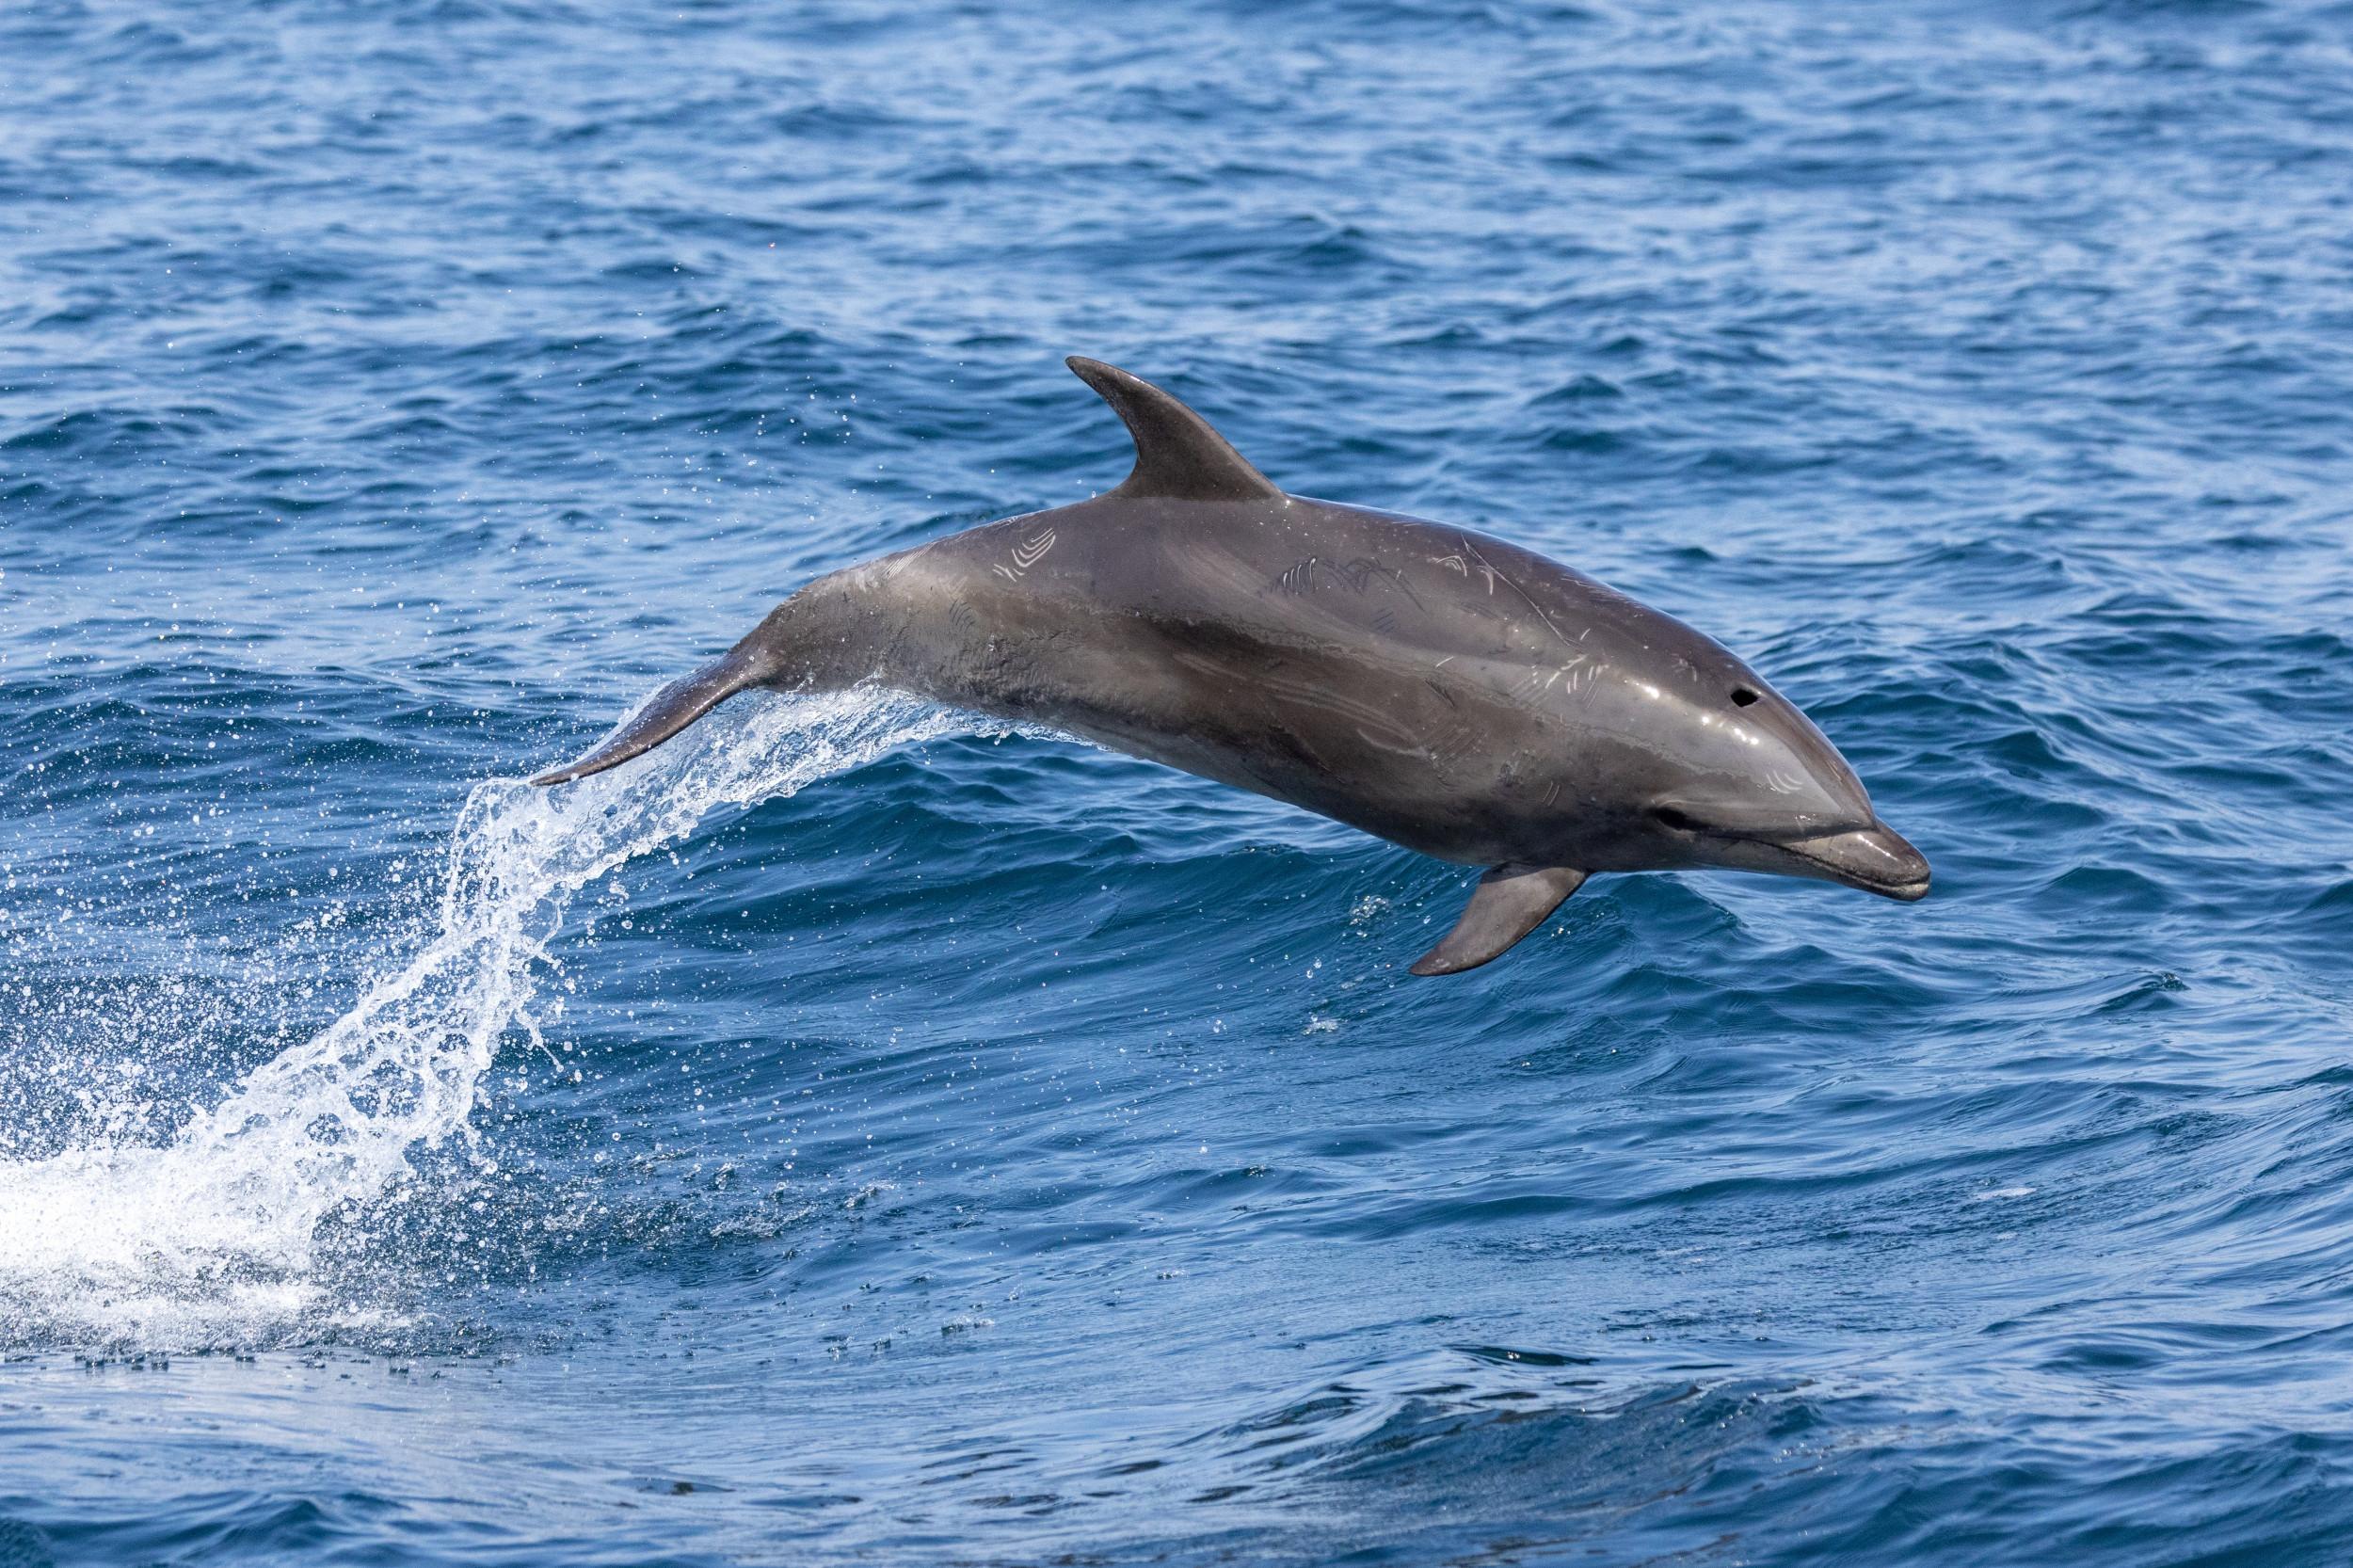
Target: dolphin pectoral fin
1509,903
673,707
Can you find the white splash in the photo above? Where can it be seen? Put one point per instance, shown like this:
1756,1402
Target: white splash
211,1237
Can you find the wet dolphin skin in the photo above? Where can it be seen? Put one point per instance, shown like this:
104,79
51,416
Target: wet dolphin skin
1435,687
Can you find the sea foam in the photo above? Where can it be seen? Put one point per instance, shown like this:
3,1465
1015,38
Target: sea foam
210,1237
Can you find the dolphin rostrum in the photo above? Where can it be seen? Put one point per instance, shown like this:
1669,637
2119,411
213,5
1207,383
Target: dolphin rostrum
1434,687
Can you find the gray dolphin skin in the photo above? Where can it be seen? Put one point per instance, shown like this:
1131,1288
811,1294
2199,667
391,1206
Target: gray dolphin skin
1434,687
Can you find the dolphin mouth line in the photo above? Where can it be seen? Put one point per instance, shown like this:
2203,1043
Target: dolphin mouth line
1905,879
1874,859
1904,891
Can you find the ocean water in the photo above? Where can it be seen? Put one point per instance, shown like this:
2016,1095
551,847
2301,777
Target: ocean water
863,1133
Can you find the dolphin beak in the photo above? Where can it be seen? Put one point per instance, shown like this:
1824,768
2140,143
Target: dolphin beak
1876,859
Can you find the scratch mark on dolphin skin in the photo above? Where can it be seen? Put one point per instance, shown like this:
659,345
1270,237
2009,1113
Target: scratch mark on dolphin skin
1379,744
1568,670
1397,580
1277,687
1493,574
1537,683
1027,554
1454,561
1357,574
1457,744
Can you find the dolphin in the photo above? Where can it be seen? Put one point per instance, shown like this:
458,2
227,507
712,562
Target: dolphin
1435,687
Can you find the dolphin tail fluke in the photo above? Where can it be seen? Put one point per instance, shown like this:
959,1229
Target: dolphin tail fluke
1509,903
673,707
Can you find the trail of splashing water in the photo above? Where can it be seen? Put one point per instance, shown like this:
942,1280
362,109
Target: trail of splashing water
211,1237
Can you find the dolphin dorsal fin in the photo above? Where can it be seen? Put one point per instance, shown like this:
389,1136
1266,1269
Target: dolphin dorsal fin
1177,454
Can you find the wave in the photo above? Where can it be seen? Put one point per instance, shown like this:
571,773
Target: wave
209,1239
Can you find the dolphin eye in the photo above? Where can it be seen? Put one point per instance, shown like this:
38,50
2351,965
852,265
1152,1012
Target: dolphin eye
1675,819
1742,696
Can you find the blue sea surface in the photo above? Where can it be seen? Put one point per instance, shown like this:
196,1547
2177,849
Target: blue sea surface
862,1132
